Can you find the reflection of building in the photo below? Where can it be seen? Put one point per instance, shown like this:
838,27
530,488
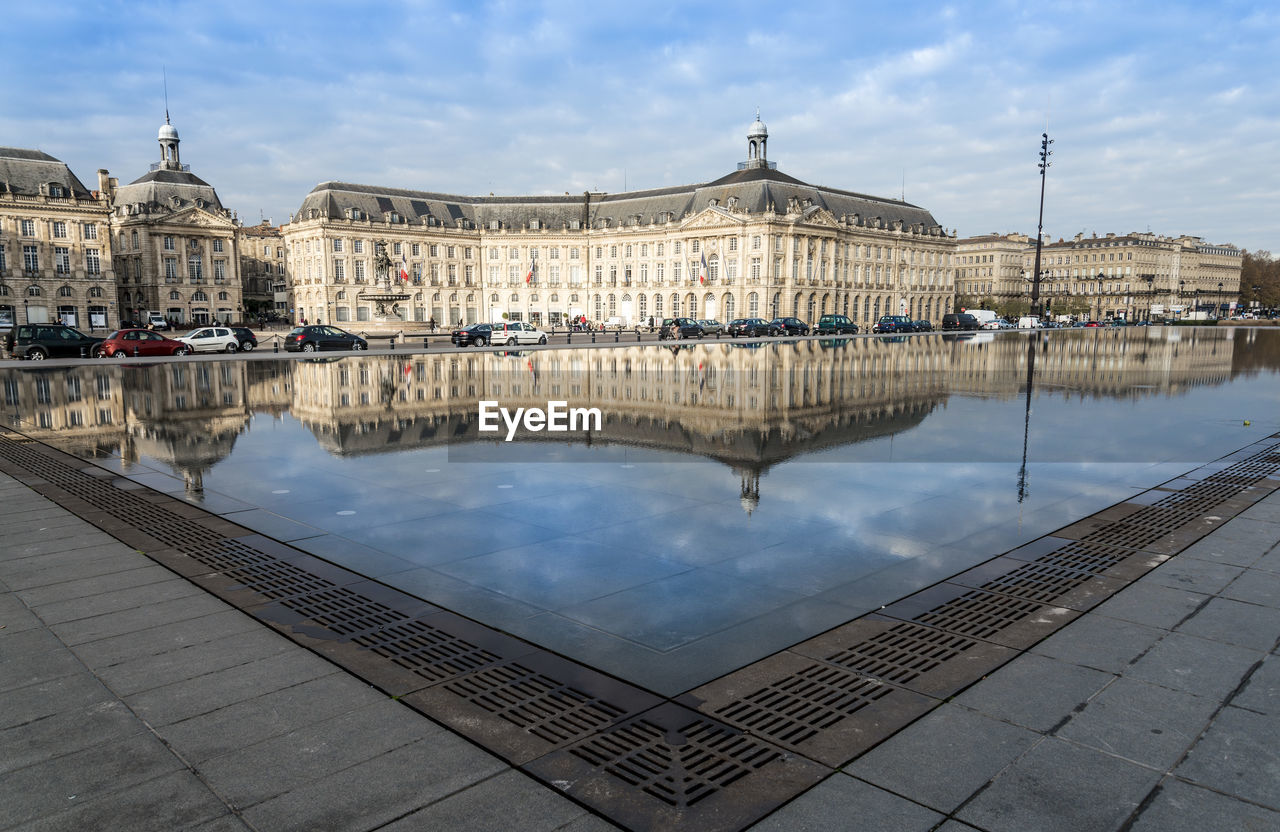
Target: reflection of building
754,243
1134,276
55,261
176,246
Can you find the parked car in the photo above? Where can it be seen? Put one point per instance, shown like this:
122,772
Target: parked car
512,333
922,326
959,321
835,325
322,337
476,335
248,341
126,343
212,339
790,326
40,341
751,328
711,327
893,324
688,328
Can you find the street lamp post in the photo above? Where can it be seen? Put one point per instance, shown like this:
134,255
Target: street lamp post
1218,302
1182,288
1045,153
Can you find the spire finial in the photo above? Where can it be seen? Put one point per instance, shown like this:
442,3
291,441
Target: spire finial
165,75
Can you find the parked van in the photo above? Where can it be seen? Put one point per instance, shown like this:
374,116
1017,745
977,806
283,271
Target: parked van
986,318
156,321
1028,322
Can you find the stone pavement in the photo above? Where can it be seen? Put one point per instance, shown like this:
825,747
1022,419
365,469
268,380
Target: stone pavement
130,699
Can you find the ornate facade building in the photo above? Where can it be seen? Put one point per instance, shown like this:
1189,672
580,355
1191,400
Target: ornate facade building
753,243
262,269
176,246
55,262
1133,276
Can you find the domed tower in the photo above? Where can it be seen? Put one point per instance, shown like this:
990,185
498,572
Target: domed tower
168,139
757,139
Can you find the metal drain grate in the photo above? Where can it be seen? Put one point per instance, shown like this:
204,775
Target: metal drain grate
902,653
225,555
979,614
1094,558
275,580
548,709
798,707
426,651
344,612
1042,582
679,768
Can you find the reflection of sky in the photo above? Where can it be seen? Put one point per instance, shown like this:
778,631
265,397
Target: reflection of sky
647,563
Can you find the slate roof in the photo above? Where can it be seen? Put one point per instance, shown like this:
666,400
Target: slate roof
755,189
24,171
157,187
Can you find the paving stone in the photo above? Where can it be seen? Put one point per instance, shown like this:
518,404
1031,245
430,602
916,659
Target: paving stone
381,789
226,823
174,801
1058,786
1003,695
222,623
55,534
833,802
1256,586
35,667
67,731
88,538
1203,576
1262,693
63,783
1195,665
1095,641
1152,604
956,826
1182,807
281,764
1240,542
251,721
152,671
1235,622
58,612
1267,511
1239,755
944,757
82,589
211,691
139,618
17,643
58,567
1142,722
1270,562
588,823
68,692
509,801
16,619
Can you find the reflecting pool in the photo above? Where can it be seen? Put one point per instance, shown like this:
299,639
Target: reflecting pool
738,498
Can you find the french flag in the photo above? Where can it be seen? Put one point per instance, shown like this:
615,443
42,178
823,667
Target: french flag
702,273
404,269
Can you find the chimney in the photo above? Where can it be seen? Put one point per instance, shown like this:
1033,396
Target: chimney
106,185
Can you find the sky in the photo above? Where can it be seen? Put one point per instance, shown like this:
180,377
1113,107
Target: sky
1165,116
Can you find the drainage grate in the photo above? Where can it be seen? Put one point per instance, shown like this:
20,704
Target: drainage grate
979,614
796,708
342,611
679,768
902,653
1042,582
1094,558
424,650
225,555
550,710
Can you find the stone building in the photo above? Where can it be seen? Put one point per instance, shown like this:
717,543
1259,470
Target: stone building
176,246
1137,276
55,261
753,243
262,269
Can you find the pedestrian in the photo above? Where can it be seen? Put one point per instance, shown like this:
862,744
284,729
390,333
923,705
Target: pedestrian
432,323
651,323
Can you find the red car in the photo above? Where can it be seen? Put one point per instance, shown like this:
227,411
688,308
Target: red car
126,343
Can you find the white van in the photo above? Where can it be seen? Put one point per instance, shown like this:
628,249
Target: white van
156,320
1028,322
986,318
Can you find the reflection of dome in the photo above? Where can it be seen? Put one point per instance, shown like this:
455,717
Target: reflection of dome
750,493
167,131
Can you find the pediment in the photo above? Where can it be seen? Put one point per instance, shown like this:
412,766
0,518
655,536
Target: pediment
200,217
713,216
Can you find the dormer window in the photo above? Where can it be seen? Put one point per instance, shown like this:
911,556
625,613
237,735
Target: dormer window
56,190
494,225
533,225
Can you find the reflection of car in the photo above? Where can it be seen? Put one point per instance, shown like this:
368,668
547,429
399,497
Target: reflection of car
246,337
835,325
962,321
476,335
1092,324
894,324
321,337
833,343
751,328
512,333
212,339
711,327
40,341
124,343
790,326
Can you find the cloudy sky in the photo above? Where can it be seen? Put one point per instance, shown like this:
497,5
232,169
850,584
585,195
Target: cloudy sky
1165,115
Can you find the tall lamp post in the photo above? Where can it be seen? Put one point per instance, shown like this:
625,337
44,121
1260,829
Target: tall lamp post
1219,301
1182,288
1045,153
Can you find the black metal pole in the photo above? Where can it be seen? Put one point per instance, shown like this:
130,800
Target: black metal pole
1045,153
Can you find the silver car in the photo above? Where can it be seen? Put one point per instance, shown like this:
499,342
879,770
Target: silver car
711,327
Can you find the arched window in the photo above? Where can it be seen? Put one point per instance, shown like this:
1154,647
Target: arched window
200,297
813,302
555,298
173,296
4,291
514,298
777,305
493,298
729,307
33,291
795,304
223,296
436,297
691,305
876,310
135,239
95,291
753,305
643,310
64,291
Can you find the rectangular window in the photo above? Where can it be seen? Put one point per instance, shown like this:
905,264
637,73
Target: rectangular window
170,268
195,267
28,228
219,270
434,250
2,263
217,245
359,271
337,246
168,244
60,230
30,259
357,246
62,260
695,246
733,244
417,249
90,231
396,249
92,261
339,270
